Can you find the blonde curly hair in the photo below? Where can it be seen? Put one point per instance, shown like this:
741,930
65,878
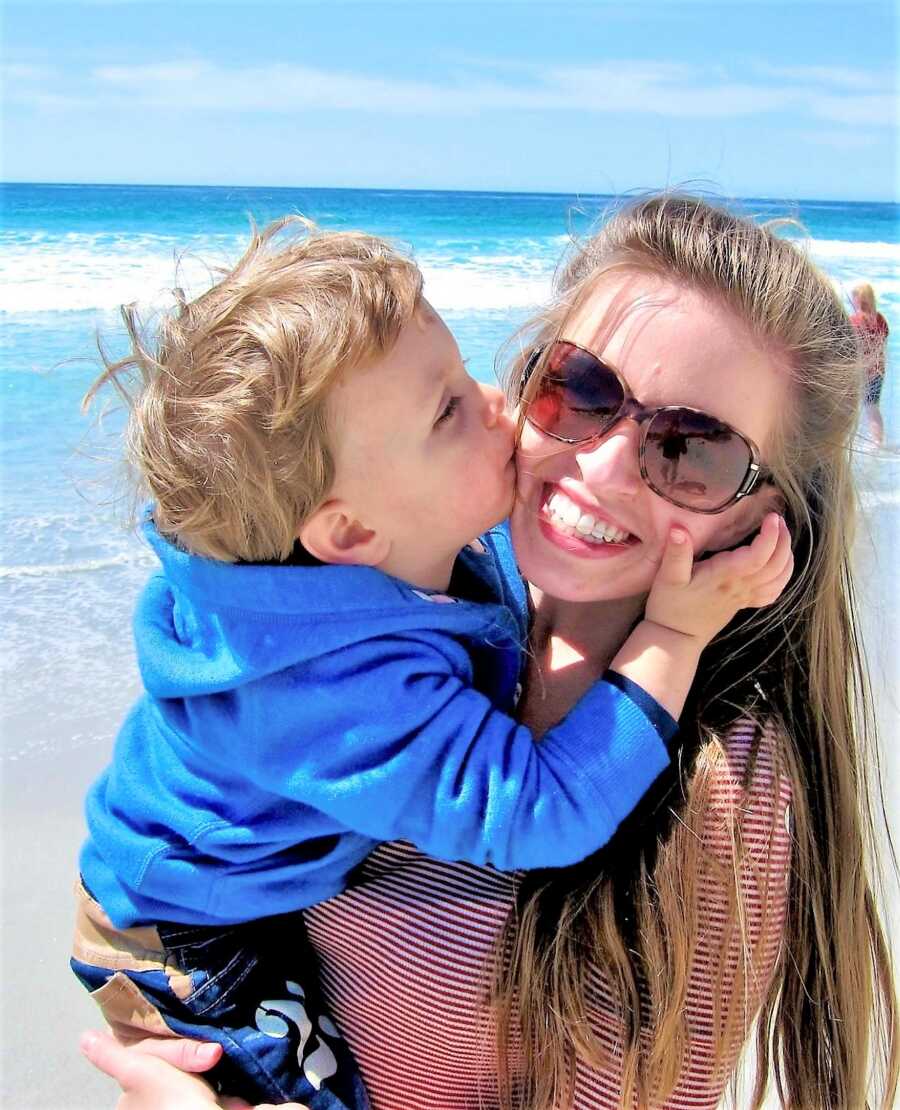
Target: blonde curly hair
227,431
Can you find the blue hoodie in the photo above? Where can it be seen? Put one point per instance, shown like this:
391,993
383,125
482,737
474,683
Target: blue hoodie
296,716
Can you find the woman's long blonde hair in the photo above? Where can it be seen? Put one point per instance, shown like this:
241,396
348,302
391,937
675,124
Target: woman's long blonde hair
828,1022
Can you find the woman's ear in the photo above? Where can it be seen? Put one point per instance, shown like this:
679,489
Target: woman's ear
333,534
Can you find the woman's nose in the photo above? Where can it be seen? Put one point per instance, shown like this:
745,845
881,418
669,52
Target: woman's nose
612,463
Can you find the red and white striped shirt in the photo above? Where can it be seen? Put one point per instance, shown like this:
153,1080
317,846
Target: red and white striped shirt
405,955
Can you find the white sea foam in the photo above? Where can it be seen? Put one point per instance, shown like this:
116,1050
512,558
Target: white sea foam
100,271
485,285
850,262
55,570
81,279
847,249
81,539
81,274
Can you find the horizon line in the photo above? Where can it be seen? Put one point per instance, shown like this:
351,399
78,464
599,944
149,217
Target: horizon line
709,192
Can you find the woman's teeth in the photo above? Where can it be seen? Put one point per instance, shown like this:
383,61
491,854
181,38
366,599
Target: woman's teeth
571,520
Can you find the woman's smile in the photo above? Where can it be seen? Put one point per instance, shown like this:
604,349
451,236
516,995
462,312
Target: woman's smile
582,530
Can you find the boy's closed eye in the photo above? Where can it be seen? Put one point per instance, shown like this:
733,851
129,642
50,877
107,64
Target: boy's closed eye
448,411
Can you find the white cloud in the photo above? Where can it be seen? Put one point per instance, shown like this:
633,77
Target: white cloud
841,76
840,95
872,110
16,72
279,88
661,90
690,92
842,140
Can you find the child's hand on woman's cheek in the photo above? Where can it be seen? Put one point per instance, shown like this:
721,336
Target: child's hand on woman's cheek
700,599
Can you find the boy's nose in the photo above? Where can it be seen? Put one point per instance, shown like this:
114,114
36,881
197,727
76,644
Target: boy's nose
495,403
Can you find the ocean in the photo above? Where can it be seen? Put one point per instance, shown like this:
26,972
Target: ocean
71,254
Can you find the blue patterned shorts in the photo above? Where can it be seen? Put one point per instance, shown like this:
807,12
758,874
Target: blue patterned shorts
252,988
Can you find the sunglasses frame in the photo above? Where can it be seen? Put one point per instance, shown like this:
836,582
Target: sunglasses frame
643,415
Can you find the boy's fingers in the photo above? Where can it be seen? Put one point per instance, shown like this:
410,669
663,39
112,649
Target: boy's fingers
677,559
765,544
779,571
784,544
756,565
764,600
781,560
782,541
767,592
781,580
767,547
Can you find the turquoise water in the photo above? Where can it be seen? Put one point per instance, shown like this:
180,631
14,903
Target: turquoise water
71,254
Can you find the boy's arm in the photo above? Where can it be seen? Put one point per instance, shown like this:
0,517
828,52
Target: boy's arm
686,610
662,661
398,745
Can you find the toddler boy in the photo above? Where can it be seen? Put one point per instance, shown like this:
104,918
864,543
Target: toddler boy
326,663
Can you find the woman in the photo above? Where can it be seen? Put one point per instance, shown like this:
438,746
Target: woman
739,896
872,332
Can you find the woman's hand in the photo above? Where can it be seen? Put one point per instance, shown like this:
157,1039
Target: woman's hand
156,1074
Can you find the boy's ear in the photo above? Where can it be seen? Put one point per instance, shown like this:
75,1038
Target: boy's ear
333,534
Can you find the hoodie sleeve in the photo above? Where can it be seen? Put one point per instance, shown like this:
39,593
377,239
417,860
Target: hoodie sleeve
392,743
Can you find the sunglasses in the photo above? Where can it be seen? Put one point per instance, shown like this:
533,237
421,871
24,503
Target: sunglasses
688,457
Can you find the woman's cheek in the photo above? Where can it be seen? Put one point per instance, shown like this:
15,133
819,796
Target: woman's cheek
531,444
527,474
660,519
539,460
730,528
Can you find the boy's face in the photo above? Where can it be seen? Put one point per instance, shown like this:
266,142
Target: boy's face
423,453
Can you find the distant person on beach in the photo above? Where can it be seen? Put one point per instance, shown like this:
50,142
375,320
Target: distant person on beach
738,901
872,331
329,662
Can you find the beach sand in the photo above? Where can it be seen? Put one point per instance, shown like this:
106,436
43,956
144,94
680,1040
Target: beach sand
44,1008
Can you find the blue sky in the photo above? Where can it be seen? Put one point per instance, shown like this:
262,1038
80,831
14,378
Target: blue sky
791,99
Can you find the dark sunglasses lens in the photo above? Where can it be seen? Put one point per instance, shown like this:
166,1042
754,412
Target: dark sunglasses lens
695,460
577,397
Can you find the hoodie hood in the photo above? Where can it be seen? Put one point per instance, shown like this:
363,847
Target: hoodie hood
205,627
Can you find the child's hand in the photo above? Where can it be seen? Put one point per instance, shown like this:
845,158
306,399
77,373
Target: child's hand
700,604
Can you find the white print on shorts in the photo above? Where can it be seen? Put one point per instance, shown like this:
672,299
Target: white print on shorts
272,1017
